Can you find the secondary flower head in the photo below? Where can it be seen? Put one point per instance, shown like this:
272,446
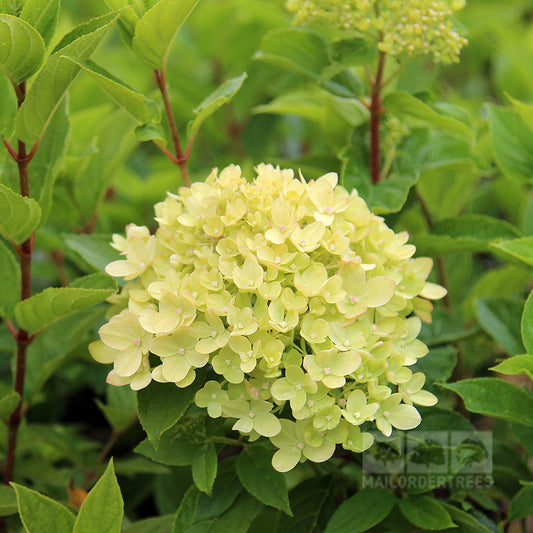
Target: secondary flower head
404,28
303,303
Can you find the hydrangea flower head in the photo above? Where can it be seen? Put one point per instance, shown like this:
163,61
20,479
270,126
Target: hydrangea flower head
404,28
304,305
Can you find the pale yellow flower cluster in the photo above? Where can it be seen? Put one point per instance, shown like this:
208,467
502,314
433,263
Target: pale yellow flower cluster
304,305
404,28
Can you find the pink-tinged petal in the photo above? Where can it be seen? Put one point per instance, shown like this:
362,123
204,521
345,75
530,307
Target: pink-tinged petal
118,381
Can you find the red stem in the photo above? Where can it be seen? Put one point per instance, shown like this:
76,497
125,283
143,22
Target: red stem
10,149
22,337
376,110
181,157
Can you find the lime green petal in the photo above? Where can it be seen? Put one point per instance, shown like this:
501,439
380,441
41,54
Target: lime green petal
102,353
345,363
321,453
175,368
266,424
405,417
244,425
236,409
333,382
432,291
286,458
282,389
127,363
298,399
424,398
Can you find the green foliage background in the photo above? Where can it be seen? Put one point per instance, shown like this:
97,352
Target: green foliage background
460,183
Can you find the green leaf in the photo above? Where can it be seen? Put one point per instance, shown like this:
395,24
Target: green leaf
8,501
50,349
42,15
405,104
501,320
204,467
527,324
113,143
354,51
131,100
521,504
19,216
519,364
387,196
362,511
513,143
254,468
468,232
94,248
160,407
237,519
157,29
103,508
22,50
51,305
8,403
8,107
465,522
337,116
222,95
445,328
439,363
313,502
174,449
40,514
524,110
153,131
196,507
518,250
46,164
118,418
296,49
426,513
9,281
225,490
525,437
58,73
159,524
495,397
